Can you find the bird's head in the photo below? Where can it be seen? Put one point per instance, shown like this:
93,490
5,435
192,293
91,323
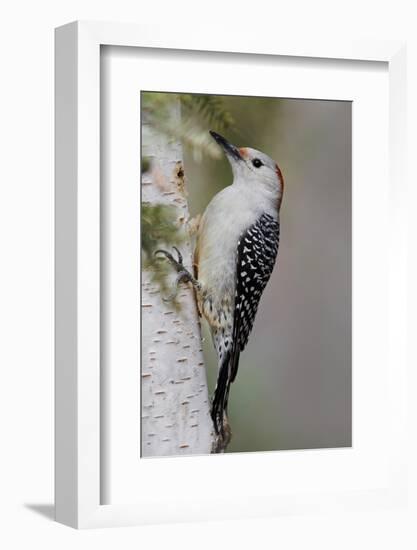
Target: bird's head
253,168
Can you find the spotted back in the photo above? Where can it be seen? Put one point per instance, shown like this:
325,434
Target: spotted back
257,252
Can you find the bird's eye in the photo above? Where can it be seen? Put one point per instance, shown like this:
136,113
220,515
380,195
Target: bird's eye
257,163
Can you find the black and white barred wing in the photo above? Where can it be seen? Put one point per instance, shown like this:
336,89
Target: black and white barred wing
256,255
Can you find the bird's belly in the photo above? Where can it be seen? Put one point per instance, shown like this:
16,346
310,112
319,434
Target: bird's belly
217,273
217,260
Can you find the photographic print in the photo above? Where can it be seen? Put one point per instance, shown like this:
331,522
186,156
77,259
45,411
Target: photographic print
245,274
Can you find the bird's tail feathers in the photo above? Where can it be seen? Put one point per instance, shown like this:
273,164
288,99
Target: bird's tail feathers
234,365
227,374
221,393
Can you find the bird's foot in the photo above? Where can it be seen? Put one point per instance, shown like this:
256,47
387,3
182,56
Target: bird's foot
184,276
223,437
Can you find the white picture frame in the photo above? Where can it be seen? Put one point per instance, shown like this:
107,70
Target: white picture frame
78,270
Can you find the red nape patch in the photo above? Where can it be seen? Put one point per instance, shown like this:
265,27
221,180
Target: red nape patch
281,180
243,152
280,176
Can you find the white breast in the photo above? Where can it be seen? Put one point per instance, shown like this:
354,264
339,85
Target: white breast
226,217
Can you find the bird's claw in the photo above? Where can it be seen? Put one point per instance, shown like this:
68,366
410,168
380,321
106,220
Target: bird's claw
183,276
176,263
222,438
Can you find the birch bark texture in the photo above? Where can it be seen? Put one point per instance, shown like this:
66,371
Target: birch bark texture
175,417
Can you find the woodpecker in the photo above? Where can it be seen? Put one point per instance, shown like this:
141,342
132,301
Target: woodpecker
236,248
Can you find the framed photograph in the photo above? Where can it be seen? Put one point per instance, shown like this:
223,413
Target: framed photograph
229,324
271,302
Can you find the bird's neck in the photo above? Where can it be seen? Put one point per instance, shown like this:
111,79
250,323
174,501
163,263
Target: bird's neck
259,196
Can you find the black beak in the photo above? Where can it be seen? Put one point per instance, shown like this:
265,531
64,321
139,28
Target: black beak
228,148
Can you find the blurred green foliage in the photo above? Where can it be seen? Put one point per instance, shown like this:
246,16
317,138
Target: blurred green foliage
159,229
145,165
199,113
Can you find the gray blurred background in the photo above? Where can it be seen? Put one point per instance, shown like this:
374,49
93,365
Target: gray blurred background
293,389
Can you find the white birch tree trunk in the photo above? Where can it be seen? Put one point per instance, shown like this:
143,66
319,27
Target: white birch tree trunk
175,416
